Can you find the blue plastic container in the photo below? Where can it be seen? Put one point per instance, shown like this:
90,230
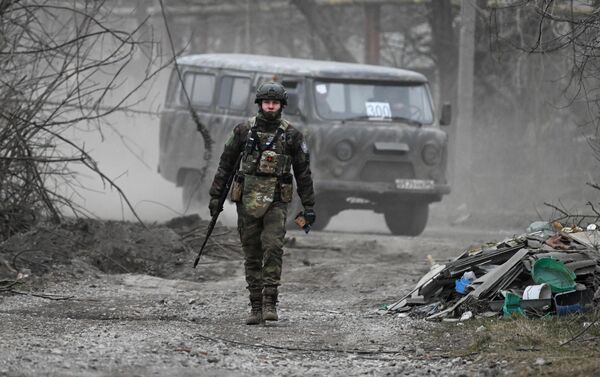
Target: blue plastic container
573,302
461,285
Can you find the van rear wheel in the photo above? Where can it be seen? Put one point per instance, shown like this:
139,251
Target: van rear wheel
407,219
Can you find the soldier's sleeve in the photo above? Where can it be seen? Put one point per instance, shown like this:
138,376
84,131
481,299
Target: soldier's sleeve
302,174
231,152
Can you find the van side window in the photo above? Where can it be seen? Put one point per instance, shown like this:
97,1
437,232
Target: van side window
295,91
200,87
234,92
172,89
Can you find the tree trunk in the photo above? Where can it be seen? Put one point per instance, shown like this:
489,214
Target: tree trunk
372,33
444,47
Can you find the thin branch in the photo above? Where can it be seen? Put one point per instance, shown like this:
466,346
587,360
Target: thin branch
43,295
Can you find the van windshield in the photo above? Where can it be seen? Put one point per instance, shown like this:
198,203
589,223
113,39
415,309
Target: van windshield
408,102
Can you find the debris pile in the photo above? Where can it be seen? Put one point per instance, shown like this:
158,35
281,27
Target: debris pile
549,270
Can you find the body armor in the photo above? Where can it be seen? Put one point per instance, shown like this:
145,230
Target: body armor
265,170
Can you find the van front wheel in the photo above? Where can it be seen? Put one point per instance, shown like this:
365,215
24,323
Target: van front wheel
324,214
407,219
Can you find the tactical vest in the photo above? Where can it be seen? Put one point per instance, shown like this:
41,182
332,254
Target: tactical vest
265,170
265,153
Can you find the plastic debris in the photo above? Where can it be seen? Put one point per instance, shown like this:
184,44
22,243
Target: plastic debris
573,302
512,304
465,281
555,268
537,292
554,273
545,228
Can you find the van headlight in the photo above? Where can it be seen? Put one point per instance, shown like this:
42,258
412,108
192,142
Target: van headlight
344,150
431,154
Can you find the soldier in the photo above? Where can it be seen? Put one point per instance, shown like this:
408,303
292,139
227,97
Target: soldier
262,188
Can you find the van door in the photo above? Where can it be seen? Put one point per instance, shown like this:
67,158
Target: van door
179,140
233,96
231,108
186,144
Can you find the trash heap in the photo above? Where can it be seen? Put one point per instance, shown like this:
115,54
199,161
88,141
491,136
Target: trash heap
550,270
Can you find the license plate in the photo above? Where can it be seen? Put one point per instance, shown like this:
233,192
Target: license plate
415,184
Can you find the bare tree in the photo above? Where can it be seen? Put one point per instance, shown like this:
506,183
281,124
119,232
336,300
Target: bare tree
534,72
567,31
325,25
62,65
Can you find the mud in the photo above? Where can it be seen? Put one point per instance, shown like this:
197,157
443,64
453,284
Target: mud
122,300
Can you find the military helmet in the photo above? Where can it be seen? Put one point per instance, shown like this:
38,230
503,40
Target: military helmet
271,90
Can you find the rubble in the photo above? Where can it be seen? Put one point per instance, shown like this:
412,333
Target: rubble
549,270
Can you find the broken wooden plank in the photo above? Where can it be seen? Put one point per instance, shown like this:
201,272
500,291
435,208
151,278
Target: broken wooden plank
459,266
433,273
589,238
450,309
563,256
582,267
496,275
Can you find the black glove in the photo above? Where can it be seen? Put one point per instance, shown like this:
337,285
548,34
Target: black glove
213,206
310,216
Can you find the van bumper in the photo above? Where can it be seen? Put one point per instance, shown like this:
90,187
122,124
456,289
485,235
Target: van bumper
408,187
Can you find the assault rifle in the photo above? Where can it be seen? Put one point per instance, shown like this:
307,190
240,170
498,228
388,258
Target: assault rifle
222,199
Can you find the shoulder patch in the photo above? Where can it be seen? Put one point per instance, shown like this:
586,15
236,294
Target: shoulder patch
304,147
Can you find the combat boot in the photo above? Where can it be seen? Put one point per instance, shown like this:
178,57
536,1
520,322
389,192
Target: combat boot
255,316
269,308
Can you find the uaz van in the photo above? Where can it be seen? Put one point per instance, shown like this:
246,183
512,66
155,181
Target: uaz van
373,135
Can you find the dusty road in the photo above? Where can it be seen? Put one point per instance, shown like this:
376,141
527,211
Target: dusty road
135,324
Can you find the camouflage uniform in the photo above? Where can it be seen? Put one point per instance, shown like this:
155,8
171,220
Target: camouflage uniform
262,210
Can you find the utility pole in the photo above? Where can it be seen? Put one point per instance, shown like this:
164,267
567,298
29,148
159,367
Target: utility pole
372,33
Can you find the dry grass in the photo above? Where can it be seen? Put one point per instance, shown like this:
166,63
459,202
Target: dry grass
521,342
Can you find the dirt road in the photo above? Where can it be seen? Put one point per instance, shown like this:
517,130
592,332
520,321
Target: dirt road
135,324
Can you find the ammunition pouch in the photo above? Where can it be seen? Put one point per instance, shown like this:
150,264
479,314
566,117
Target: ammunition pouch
286,188
236,188
268,163
249,163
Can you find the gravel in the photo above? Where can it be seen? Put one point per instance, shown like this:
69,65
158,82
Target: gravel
178,321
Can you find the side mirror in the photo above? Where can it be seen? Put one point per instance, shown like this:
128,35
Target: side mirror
292,104
446,116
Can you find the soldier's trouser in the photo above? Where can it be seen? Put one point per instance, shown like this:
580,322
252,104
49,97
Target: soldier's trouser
262,242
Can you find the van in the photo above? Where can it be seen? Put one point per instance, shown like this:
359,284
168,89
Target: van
374,139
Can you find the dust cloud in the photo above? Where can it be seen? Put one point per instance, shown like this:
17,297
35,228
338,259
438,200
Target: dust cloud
507,181
127,152
513,165
520,170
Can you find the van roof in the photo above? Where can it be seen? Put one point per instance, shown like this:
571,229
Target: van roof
304,67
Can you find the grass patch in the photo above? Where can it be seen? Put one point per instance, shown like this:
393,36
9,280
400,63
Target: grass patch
523,343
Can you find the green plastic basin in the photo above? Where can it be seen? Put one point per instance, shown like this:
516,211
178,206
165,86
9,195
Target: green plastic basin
554,273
